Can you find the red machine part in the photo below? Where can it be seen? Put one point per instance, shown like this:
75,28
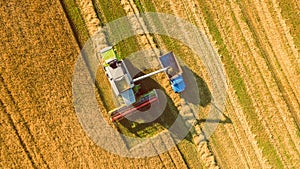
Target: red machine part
120,115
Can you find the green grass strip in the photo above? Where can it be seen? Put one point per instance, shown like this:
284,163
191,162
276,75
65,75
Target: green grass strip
109,11
76,21
290,13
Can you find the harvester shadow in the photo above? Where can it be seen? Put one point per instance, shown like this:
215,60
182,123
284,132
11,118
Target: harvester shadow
205,98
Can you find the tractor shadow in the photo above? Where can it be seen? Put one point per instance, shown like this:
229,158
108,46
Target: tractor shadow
204,98
195,83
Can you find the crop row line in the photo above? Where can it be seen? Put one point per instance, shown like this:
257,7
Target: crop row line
198,22
264,82
33,153
286,74
221,26
260,73
24,146
271,69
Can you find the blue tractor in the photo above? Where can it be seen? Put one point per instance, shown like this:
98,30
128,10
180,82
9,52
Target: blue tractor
174,71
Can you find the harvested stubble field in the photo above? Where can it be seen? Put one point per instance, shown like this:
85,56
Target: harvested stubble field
258,42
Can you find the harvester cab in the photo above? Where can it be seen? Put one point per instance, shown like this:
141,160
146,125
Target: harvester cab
118,75
123,84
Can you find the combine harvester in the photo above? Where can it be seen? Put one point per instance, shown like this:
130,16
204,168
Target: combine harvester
123,84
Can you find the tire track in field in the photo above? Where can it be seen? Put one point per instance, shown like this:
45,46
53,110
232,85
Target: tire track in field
270,55
196,17
292,130
19,125
289,71
258,106
11,122
246,136
252,70
259,109
286,99
288,37
45,130
243,29
178,9
216,8
282,59
16,31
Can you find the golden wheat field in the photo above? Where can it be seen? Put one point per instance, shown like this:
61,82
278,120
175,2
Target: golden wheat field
256,41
